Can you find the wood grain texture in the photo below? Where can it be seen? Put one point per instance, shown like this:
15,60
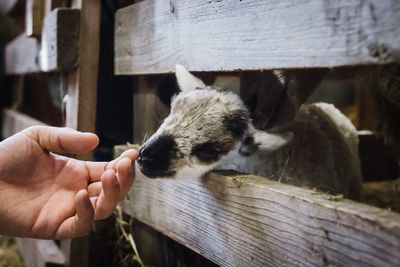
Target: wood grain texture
60,40
14,122
152,36
148,110
82,83
50,5
21,56
34,14
81,103
253,221
40,253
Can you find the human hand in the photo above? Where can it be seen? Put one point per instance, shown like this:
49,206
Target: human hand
48,196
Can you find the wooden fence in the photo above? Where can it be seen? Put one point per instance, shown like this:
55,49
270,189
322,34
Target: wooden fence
232,220
245,220
56,36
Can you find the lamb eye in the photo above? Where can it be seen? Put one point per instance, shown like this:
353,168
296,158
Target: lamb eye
207,152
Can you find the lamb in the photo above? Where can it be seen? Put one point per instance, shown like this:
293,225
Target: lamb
210,129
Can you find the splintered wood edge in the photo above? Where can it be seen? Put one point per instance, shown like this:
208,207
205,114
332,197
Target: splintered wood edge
14,122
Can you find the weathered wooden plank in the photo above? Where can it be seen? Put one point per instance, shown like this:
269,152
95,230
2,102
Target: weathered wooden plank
21,56
253,221
59,47
14,122
81,103
50,5
76,251
40,253
60,40
34,17
155,248
152,36
148,109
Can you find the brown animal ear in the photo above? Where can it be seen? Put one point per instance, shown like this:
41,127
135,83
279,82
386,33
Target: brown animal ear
261,92
261,140
271,141
273,98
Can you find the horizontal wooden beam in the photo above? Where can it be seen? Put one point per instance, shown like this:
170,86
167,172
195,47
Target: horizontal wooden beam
21,56
41,253
152,36
58,50
252,221
60,40
14,122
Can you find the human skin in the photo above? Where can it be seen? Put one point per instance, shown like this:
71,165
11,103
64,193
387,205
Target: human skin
49,196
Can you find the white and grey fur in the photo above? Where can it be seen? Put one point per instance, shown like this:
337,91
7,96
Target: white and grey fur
209,129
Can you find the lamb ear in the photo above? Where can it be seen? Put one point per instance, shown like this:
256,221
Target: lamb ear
271,141
187,82
261,140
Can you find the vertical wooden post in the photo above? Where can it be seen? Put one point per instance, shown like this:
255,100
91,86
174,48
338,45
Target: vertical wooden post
34,17
50,5
82,86
81,104
367,115
148,109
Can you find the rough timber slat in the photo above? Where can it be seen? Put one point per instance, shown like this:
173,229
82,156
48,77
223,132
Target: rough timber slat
34,17
58,51
41,253
212,35
14,122
50,5
21,56
81,103
252,221
60,40
148,109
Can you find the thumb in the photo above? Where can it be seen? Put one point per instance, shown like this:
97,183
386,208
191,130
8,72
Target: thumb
62,140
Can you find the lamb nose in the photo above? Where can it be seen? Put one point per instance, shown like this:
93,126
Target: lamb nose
145,158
